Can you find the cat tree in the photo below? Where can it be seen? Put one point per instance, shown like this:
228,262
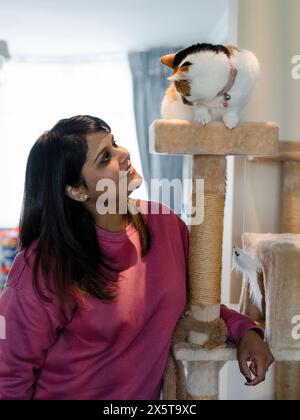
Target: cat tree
209,145
279,254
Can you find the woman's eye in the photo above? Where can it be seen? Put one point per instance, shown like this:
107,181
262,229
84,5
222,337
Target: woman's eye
104,159
107,155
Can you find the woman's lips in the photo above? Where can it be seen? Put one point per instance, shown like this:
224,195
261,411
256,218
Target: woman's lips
129,172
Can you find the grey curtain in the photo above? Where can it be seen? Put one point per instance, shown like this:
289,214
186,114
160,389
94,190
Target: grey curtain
149,84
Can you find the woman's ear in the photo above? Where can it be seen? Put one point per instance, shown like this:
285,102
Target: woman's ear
77,194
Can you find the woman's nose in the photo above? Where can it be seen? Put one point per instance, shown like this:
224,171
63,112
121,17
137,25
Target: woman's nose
125,159
126,153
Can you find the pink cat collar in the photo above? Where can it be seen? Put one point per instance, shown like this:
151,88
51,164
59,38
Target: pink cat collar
231,79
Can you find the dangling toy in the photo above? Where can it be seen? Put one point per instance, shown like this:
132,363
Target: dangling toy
252,270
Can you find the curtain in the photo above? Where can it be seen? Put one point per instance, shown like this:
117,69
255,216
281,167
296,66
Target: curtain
149,78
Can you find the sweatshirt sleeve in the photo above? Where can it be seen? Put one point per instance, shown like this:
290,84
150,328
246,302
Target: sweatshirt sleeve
238,324
28,330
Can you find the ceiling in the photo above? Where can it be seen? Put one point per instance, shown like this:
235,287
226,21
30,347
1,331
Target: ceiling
68,27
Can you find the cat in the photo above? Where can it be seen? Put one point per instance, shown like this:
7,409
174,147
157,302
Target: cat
209,83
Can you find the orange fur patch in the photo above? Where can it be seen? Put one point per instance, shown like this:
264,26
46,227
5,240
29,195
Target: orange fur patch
232,49
181,72
171,93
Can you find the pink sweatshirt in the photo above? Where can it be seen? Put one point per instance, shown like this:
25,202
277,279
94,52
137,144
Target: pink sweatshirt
108,351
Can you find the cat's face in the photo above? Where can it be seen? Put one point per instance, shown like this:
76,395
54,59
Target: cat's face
199,71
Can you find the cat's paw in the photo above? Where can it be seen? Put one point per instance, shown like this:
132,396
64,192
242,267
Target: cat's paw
231,119
202,115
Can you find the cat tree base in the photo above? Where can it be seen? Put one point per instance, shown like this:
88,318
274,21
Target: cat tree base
203,381
203,368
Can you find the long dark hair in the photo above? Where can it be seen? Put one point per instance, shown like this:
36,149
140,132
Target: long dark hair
66,247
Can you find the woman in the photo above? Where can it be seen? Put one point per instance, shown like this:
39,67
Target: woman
93,297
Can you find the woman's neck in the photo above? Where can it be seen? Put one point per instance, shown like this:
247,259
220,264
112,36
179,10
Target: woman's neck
112,222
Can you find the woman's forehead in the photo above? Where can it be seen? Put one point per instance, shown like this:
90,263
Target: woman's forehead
97,141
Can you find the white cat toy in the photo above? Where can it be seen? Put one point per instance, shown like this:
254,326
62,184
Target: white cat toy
253,271
209,83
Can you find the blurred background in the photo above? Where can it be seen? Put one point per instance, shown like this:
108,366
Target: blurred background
72,57
69,57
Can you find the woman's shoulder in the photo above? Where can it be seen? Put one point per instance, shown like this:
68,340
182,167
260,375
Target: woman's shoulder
18,267
20,283
153,208
20,275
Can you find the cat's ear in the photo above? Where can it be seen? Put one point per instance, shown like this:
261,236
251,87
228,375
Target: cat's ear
168,60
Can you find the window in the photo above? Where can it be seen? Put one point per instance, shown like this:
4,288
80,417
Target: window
35,94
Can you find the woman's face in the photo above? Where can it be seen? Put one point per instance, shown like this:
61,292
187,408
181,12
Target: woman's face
106,165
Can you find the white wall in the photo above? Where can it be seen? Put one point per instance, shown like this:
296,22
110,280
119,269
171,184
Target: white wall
35,95
93,26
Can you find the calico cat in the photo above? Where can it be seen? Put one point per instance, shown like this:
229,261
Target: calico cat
209,83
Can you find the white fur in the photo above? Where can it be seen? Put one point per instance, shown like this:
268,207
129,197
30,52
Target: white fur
250,267
208,75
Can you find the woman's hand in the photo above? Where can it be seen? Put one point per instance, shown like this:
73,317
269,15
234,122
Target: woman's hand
252,348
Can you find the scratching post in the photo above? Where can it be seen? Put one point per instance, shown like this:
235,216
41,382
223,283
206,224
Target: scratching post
291,197
209,146
205,269
287,368
287,374
289,157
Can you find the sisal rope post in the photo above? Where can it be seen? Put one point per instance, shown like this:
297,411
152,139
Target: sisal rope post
205,265
290,222
287,374
206,253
